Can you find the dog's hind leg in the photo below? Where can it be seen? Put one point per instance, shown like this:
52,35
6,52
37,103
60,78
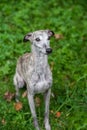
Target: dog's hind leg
19,83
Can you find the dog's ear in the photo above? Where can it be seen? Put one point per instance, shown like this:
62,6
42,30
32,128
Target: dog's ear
50,33
27,37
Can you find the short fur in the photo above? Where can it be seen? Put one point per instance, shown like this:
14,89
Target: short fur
34,71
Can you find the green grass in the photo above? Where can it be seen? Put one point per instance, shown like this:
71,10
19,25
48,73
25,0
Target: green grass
69,57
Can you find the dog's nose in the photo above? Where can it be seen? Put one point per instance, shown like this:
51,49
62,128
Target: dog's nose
48,50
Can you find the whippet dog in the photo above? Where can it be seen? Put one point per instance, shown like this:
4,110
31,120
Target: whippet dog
34,71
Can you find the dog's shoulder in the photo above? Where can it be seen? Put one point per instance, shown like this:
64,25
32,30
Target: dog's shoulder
25,60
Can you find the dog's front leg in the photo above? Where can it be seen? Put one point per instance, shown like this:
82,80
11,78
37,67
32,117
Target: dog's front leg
33,111
47,101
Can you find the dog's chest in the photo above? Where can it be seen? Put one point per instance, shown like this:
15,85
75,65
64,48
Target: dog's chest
41,81
38,76
42,84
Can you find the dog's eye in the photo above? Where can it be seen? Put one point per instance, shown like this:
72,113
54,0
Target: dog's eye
37,39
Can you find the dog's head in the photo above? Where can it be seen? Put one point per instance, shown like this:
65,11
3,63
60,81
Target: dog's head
40,39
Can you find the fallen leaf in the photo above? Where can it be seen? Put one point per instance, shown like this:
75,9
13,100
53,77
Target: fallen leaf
8,96
58,36
24,94
37,101
3,121
18,106
58,114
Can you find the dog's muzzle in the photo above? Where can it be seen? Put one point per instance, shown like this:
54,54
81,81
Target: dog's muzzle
48,50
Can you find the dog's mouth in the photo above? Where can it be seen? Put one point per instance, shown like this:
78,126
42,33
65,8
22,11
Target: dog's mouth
47,52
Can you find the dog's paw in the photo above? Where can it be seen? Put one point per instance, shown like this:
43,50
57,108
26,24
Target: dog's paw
47,126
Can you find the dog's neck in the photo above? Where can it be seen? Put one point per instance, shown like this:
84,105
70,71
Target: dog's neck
40,60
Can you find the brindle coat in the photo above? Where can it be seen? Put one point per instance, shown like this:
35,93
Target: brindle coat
34,71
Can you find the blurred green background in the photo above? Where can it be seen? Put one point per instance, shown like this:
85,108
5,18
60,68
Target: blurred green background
68,60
